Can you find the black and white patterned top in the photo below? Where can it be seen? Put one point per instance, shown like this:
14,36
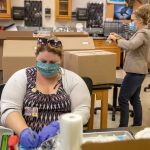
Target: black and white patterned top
40,109
14,92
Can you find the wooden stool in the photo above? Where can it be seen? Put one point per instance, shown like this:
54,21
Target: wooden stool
101,92
114,107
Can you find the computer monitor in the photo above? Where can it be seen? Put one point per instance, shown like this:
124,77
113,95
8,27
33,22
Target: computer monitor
113,26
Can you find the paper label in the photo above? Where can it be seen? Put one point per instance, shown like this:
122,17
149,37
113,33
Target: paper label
85,43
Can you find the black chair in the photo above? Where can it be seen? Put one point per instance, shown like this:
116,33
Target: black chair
117,84
1,89
147,88
89,84
114,107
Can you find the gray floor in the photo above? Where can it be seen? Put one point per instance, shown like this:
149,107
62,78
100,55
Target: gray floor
145,99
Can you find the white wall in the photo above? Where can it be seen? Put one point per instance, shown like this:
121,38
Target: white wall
79,4
47,21
17,2
50,21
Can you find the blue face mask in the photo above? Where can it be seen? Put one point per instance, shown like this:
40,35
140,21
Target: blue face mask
132,26
47,70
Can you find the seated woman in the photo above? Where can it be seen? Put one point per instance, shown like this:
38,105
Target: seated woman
34,98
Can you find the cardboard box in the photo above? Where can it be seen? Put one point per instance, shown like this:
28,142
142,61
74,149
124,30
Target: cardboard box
17,54
121,145
1,53
77,43
99,65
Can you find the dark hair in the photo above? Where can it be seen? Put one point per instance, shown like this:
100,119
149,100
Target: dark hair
49,44
143,12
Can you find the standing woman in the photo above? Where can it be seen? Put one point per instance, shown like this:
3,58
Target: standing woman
34,98
135,65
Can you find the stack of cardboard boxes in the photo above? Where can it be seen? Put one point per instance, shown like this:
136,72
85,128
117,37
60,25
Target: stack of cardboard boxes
80,56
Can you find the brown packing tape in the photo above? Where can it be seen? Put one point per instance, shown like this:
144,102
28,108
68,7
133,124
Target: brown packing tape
91,52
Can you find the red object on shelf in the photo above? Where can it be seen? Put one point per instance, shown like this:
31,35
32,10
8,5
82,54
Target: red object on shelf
1,28
13,141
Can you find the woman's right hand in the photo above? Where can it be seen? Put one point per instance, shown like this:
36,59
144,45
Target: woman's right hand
29,139
112,37
116,35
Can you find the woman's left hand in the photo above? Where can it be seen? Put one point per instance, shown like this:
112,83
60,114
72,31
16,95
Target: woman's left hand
29,139
112,37
49,131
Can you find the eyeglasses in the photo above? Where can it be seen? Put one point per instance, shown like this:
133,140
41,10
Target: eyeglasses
53,42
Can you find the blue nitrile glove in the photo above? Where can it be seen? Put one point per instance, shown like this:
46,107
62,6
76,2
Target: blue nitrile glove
49,131
29,139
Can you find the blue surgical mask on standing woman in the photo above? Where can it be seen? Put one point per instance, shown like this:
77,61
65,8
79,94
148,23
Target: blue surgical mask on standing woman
47,70
132,26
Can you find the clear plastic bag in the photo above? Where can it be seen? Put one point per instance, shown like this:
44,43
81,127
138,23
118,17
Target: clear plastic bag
50,144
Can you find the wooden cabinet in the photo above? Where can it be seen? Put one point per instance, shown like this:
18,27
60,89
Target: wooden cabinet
5,9
63,9
102,45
